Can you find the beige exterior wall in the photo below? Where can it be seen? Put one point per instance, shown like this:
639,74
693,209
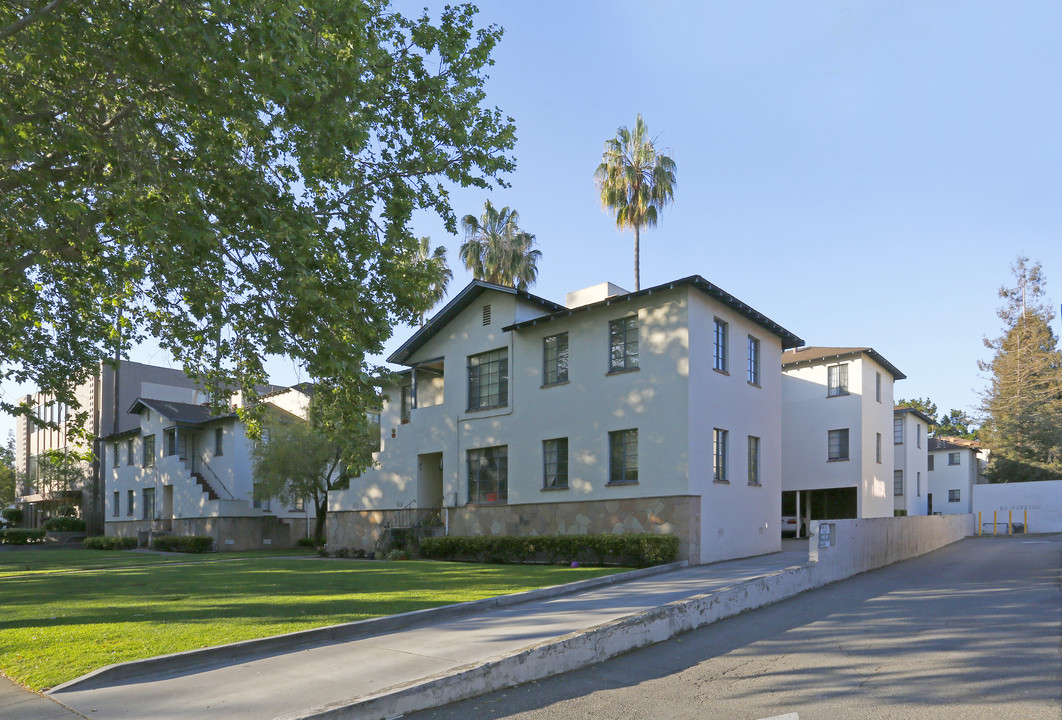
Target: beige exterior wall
231,534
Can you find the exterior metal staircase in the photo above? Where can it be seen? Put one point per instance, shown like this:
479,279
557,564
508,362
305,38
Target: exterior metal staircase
419,522
206,486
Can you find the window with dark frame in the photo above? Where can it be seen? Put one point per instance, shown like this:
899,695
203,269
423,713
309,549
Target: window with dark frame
149,504
754,460
837,444
117,501
897,431
754,361
897,482
555,463
488,474
407,403
219,441
129,500
555,359
169,441
116,454
623,457
877,448
953,458
149,451
953,496
930,462
721,344
877,386
130,456
719,455
623,344
488,379
837,380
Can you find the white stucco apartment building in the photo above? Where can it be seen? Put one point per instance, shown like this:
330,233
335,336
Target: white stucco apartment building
910,474
955,466
188,471
837,411
655,411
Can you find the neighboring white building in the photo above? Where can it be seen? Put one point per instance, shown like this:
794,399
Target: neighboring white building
910,473
105,398
955,466
188,471
837,413
655,411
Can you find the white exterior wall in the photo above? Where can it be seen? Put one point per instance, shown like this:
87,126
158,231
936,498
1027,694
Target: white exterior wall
1039,503
912,458
877,498
736,517
961,477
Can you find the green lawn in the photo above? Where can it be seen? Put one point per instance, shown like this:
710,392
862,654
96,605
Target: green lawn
55,626
33,560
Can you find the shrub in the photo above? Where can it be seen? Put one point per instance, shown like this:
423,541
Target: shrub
20,536
398,554
304,542
641,549
67,511
100,542
12,515
183,543
343,552
64,524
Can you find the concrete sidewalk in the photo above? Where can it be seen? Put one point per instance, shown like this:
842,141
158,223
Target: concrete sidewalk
425,665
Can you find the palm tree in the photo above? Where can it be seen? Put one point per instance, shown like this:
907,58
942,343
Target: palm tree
441,275
636,182
497,250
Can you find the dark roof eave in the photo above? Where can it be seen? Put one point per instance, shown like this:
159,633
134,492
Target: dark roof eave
871,352
789,340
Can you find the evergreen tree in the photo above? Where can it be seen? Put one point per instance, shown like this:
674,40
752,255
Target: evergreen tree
1023,403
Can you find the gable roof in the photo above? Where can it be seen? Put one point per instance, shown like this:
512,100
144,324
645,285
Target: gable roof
953,443
814,354
178,412
453,308
914,411
789,340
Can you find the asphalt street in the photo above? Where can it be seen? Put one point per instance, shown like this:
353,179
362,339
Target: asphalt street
973,630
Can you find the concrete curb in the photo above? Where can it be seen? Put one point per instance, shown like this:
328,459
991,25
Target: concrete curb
575,650
232,653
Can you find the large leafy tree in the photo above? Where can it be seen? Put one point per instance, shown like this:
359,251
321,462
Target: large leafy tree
497,250
303,458
636,182
440,275
8,476
233,179
1023,403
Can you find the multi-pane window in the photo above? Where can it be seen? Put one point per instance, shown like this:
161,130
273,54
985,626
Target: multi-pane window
219,441
953,458
257,501
116,448
149,451
930,459
488,474
129,499
488,379
721,341
953,496
116,501
298,504
149,504
877,448
623,456
754,360
373,436
555,463
623,344
719,456
897,482
170,441
877,386
897,431
838,444
754,460
555,359
129,458
407,403
837,380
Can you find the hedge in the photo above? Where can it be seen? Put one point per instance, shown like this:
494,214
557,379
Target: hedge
20,536
64,524
99,542
641,549
183,543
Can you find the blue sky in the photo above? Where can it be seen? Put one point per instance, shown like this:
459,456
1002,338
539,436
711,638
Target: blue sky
861,173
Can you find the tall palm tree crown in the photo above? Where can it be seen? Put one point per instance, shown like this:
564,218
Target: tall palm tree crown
497,250
441,275
636,181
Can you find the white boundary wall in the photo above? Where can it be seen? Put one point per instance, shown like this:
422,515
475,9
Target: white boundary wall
1042,501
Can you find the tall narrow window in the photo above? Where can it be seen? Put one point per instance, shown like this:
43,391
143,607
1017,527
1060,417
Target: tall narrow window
918,483
918,435
897,431
555,359
114,457
837,444
169,441
877,386
721,342
488,379
623,457
129,457
754,361
719,456
407,403
149,451
837,380
219,441
129,500
897,482
488,474
555,463
116,501
754,460
149,504
930,460
257,501
623,344
877,448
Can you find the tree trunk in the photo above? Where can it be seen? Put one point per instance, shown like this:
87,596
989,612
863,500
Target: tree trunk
319,522
637,271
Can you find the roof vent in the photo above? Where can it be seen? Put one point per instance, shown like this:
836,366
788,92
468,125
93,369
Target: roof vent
486,314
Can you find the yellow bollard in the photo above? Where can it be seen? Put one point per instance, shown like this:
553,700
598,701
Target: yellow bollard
1026,530
994,522
978,522
1010,523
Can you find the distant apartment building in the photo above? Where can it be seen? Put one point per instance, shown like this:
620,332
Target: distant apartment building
955,466
910,474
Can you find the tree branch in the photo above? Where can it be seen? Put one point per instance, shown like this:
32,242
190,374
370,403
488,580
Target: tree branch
32,18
